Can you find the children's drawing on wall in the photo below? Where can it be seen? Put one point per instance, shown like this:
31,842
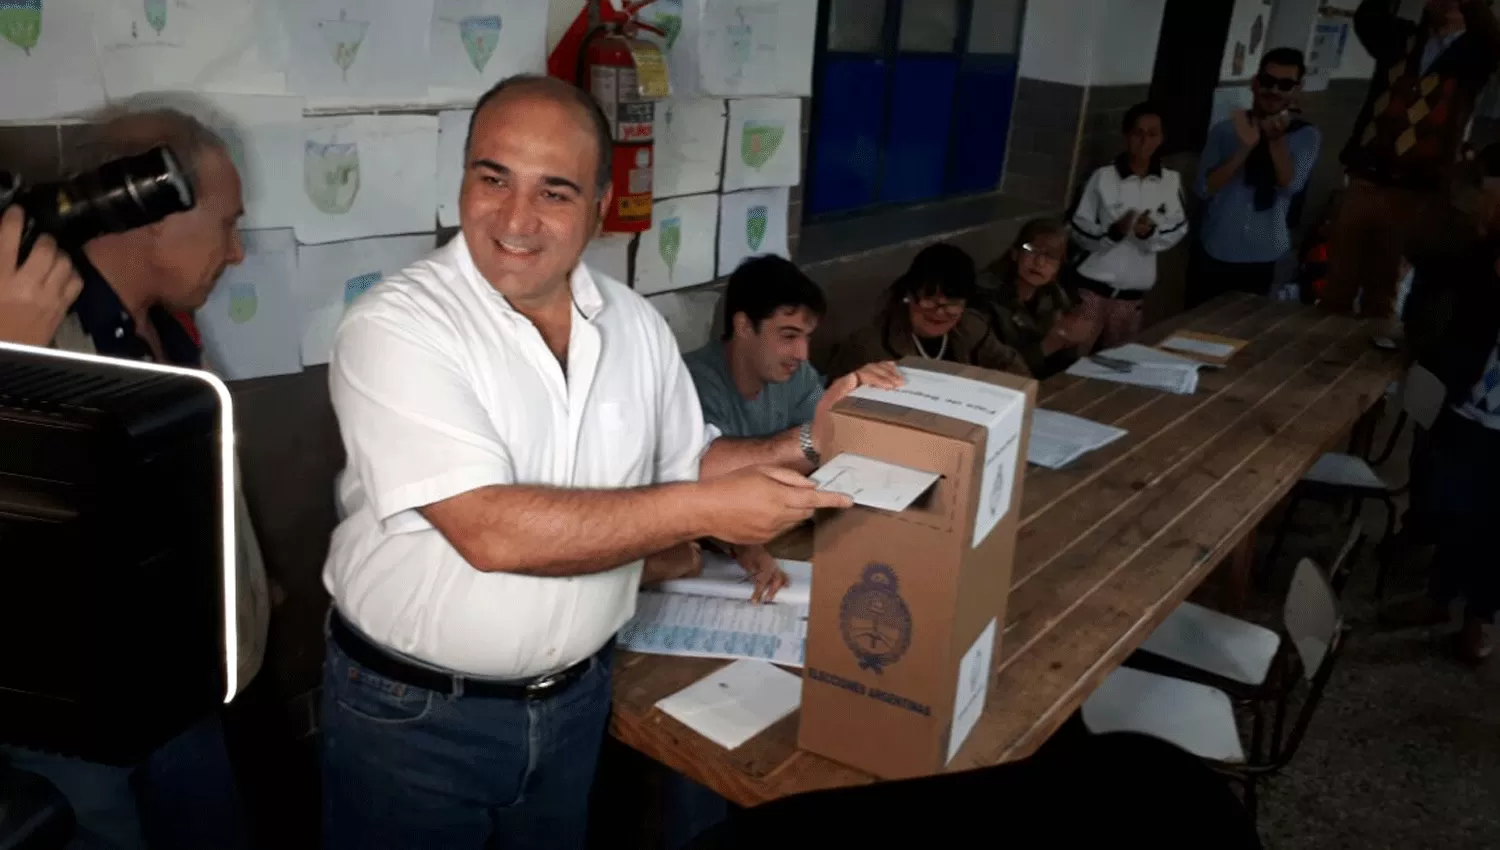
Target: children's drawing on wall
359,285
477,43
243,302
343,37
755,226
330,174
156,14
767,130
678,250
480,34
21,22
331,277
759,141
251,324
752,223
669,243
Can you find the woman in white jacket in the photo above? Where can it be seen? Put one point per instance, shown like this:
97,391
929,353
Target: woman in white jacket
1130,211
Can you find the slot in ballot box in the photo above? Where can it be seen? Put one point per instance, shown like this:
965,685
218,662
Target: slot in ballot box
908,607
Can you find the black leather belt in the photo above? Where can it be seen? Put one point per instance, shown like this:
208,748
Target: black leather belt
368,654
1109,291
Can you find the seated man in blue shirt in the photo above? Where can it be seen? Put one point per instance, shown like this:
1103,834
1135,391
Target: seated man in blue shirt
1255,162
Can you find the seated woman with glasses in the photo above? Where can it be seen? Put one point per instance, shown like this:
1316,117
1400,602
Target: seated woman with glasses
1032,313
927,314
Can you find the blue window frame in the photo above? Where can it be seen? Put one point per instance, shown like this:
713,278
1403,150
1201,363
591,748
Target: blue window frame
912,101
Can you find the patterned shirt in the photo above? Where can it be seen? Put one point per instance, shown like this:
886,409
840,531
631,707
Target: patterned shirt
1232,230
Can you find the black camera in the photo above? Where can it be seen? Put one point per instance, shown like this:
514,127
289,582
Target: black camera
119,195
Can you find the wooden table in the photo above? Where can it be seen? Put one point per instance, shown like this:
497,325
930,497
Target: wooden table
1107,548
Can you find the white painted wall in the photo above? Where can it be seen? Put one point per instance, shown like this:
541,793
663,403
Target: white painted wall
1127,33
1057,40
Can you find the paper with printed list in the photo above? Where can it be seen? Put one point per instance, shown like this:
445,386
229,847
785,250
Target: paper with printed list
724,578
1000,410
1058,439
705,627
874,483
1146,367
736,703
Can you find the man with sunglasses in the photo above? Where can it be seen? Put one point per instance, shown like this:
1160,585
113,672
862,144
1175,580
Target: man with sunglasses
1406,140
1255,162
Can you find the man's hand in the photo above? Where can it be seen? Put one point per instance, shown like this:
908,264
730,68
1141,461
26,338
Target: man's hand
684,560
763,569
1144,226
35,297
884,375
1274,127
1245,129
758,504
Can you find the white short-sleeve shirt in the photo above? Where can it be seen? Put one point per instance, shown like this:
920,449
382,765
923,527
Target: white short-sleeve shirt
441,388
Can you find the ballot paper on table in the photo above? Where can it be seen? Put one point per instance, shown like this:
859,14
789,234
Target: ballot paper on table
1193,345
1000,410
724,578
1149,367
706,627
874,483
1058,439
736,703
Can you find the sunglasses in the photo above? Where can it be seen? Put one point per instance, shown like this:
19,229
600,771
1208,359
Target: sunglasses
1281,84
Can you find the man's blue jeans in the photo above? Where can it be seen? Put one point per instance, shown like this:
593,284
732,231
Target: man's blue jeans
407,768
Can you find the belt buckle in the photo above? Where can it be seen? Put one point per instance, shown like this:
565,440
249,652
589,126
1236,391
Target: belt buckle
544,684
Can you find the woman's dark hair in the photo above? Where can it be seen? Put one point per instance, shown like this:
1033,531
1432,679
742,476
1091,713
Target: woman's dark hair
1004,268
1139,111
940,269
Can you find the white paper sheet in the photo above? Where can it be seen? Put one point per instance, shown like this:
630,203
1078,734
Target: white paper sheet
453,131
737,702
705,627
264,135
1199,346
974,673
477,43
367,175
752,223
667,15
874,483
609,254
47,60
765,143
200,45
689,146
1000,410
1168,377
690,315
251,323
1137,353
330,277
724,578
678,250
748,47
343,52
1058,439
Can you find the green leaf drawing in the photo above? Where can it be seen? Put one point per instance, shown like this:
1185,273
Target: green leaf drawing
343,38
330,175
156,14
759,141
21,22
669,242
480,34
672,26
243,302
755,226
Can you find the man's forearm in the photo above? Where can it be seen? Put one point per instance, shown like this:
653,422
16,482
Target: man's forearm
727,454
546,531
1219,177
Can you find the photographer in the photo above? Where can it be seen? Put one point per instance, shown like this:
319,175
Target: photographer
127,290
36,294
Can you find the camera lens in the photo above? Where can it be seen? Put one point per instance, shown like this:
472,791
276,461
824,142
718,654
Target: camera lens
120,195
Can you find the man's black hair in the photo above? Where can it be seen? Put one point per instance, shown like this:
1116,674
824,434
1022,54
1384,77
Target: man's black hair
1139,111
1287,57
941,269
558,91
762,286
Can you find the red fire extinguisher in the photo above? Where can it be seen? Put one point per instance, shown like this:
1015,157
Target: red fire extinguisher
627,76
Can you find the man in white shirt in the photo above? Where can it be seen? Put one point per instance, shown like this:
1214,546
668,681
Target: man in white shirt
521,433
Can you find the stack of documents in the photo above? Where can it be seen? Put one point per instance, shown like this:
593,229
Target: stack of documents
709,627
1058,439
1147,367
724,578
734,704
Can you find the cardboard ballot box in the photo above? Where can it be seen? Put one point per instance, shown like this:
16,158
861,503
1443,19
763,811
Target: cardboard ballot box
908,608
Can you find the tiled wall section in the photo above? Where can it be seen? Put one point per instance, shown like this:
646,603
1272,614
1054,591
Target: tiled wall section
1043,136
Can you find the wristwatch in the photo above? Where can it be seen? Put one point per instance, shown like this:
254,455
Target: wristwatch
809,448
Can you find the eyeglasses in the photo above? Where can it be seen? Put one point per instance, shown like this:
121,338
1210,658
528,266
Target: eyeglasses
952,307
1271,81
1031,250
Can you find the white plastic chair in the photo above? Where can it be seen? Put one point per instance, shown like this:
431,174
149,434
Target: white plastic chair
1200,718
